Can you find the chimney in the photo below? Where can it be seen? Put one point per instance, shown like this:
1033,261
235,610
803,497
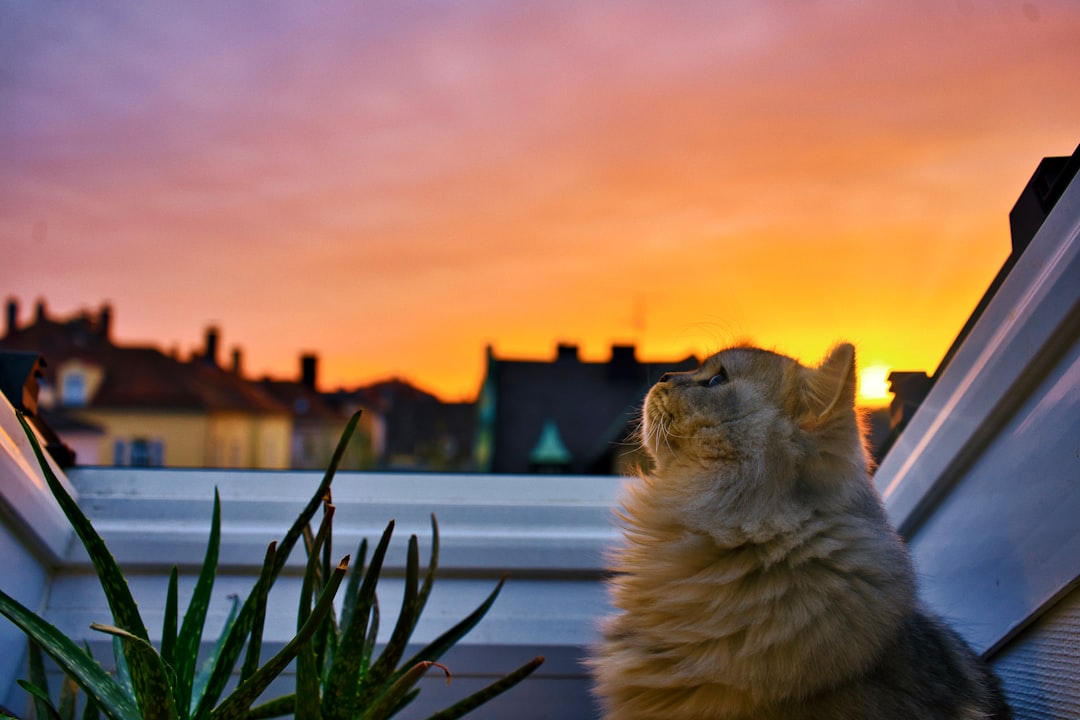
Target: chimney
623,365
39,311
1039,197
105,321
566,353
308,370
210,354
237,362
12,323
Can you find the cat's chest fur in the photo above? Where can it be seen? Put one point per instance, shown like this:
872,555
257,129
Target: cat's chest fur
740,628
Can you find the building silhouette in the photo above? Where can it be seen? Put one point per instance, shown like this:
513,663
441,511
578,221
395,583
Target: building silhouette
564,415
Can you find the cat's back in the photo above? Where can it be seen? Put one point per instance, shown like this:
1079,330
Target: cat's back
928,672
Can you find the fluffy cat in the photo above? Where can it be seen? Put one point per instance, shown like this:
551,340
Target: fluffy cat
759,577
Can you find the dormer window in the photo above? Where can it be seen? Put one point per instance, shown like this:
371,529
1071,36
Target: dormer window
77,381
73,388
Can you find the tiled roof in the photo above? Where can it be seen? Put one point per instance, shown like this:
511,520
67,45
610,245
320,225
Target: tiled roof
417,425
138,377
304,403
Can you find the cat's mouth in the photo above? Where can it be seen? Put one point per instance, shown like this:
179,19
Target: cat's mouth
656,425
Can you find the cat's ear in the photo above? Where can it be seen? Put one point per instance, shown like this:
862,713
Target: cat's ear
830,387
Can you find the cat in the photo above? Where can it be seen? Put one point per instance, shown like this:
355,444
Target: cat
759,578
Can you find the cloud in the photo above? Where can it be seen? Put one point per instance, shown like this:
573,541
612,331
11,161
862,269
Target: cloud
393,168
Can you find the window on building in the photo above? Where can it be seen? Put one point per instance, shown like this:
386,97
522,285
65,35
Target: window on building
139,452
73,389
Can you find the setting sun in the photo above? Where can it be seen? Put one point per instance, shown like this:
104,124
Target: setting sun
874,386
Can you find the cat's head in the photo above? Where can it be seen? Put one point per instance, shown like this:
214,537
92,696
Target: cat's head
753,410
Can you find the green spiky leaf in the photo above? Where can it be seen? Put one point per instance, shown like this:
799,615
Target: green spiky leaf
339,697
307,666
261,594
495,689
152,686
191,630
206,669
42,702
391,700
438,647
278,707
237,704
71,659
169,626
121,603
69,692
38,678
372,684
352,588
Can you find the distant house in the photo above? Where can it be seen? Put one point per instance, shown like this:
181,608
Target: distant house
564,415
317,422
151,408
413,429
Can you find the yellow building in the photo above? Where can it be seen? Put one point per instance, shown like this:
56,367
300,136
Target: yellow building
152,408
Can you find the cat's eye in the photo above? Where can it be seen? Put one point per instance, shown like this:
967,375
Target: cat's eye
718,379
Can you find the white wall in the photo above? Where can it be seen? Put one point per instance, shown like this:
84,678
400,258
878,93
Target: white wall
985,480
33,536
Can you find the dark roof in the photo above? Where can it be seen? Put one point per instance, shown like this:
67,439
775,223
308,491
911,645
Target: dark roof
20,371
137,377
418,428
594,405
305,403
64,422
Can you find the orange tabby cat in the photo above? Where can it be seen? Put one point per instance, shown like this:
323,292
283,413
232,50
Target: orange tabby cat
759,577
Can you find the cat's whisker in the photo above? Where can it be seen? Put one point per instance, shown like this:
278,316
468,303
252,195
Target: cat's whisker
665,426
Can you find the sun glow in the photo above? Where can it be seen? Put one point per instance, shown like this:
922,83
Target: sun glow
874,386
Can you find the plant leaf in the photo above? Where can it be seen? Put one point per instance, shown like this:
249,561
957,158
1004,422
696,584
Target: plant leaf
38,677
372,637
261,592
356,574
483,695
69,691
122,674
246,618
91,711
339,695
71,659
390,701
433,566
124,610
168,630
202,677
307,668
191,631
326,635
42,702
444,642
237,704
233,643
321,492
284,705
374,682
152,686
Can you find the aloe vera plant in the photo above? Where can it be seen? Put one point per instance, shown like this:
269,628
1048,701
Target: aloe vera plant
338,674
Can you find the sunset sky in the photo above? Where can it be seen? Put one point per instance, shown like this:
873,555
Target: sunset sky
396,185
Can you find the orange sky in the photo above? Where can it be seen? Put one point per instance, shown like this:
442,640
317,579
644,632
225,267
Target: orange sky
397,185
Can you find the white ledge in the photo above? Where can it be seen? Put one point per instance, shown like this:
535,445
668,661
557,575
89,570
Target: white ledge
26,504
